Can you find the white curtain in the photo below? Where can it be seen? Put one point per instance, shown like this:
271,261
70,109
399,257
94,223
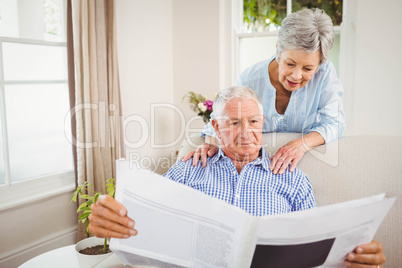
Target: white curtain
97,94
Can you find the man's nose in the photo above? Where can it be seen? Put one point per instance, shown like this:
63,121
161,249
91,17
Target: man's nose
245,129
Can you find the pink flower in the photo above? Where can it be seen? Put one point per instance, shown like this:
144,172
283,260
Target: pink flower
209,104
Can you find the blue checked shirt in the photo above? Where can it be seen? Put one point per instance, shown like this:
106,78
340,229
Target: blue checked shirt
256,189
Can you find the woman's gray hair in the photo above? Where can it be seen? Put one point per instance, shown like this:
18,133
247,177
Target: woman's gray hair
226,95
308,30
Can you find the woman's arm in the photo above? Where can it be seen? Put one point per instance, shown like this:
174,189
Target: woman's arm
293,151
330,118
208,148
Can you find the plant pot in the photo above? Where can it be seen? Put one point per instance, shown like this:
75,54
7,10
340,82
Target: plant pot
90,260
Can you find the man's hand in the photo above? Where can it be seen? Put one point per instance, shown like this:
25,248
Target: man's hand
366,256
202,152
109,219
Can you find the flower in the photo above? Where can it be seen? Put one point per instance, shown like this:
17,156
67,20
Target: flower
200,104
208,104
202,107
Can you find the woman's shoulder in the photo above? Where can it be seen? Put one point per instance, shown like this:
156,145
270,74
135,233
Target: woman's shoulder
326,68
325,75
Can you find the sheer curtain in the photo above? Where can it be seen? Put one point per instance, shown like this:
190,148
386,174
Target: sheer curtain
97,96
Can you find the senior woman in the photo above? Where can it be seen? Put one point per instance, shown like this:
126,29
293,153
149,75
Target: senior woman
298,87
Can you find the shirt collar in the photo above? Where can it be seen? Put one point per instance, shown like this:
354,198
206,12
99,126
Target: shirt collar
261,160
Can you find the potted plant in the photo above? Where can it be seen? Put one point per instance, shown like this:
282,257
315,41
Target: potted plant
92,246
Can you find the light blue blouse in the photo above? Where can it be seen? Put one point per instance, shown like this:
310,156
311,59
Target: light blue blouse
315,107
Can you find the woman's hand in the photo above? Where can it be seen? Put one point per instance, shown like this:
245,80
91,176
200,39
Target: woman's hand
202,152
292,152
109,219
365,256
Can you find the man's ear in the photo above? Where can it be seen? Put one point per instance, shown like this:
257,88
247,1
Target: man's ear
215,125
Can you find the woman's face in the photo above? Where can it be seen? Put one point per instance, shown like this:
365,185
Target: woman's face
297,67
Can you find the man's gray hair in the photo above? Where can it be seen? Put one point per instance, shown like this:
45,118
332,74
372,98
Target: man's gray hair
226,95
309,30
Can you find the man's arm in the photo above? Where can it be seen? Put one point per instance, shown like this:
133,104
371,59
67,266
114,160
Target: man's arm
304,196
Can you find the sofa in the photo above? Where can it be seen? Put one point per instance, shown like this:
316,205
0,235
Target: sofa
349,168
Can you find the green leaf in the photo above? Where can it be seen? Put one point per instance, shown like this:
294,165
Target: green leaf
74,197
84,216
85,196
96,197
81,207
110,192
87,227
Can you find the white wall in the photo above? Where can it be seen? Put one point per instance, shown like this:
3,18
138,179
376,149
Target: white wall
373,90
144,38
29,230
195,54
165,48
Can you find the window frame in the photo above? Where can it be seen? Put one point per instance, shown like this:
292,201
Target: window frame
22,192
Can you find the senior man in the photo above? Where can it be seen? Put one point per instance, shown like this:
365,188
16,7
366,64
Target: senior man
239,174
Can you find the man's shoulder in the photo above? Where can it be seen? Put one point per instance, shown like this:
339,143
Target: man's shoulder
181,165
297,172
299,178
297,175
185,169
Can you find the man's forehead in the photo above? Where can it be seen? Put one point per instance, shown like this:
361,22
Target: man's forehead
242,106
255,116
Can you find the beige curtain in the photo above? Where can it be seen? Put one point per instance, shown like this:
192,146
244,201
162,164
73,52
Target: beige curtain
97,94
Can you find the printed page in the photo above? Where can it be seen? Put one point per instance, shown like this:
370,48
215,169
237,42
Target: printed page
320,236
179,226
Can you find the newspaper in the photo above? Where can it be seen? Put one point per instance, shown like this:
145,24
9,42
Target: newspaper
182,227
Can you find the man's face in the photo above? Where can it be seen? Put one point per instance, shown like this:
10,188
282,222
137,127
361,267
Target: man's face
240,129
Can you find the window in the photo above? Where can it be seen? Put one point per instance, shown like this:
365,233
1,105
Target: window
257,30
34,99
